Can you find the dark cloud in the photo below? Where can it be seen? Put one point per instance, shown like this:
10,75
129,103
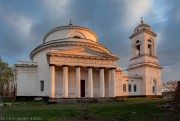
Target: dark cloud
109,19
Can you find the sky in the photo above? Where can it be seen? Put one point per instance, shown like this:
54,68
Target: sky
23,24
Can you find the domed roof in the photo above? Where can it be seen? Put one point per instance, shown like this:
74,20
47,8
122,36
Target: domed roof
141,26
70,31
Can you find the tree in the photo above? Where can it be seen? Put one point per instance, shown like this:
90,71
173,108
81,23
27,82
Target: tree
7,79
169,86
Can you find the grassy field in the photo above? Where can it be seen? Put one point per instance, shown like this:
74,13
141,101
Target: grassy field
131,109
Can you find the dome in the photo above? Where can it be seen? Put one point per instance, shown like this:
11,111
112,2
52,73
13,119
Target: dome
70,31
141,26
68,38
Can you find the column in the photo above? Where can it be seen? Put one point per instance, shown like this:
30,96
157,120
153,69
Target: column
78,76
52,77
102,86
131,51
90,82
134,51
65,81
112,84
154,47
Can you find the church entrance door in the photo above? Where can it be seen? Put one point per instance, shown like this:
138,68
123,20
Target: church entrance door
82,88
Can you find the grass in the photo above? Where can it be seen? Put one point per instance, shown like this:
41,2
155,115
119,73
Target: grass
131,109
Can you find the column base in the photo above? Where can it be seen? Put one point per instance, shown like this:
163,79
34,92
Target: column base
52,101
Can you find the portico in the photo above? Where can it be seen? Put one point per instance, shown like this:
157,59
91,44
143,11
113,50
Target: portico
90,69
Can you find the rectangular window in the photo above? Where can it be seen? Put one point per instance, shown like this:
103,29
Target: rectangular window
124,87
129,87
42,85
149,50
135,88
153,88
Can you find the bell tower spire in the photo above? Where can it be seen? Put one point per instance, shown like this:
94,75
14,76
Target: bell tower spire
141,20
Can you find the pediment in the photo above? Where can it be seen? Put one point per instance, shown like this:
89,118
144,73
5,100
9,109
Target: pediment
84,52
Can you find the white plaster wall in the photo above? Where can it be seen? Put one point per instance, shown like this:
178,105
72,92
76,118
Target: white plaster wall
43,73
137,82
153,74
142,72
118,83
149,74
26,81
124,81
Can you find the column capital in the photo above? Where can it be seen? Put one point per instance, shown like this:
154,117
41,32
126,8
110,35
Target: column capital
78,66
113,68
65,66
51,64
90,67
101,68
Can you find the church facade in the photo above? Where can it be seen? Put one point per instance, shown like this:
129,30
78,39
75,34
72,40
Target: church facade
72,64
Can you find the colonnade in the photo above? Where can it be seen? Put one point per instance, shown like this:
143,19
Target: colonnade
78,79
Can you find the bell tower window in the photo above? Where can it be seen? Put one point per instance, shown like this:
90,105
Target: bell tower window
137,41
137,50
149,49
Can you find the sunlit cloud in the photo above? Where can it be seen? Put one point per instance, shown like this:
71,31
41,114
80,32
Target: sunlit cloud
135,10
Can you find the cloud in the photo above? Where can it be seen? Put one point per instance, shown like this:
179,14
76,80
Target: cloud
135,9
20,22
56,8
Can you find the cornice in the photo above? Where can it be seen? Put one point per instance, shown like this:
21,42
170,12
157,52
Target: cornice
144,55
141,31
25,65
81,56
133,76
144,65
65,43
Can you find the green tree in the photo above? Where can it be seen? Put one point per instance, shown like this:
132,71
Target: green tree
7,79
169,86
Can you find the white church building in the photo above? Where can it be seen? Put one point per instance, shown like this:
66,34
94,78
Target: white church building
70,63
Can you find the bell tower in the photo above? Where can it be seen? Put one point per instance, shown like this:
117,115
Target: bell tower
144,61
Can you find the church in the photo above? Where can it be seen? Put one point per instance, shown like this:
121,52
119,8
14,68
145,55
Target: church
71,63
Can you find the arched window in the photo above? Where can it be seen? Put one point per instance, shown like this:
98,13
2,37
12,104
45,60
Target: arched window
78,37
137,41
138,50
76,34
149,40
